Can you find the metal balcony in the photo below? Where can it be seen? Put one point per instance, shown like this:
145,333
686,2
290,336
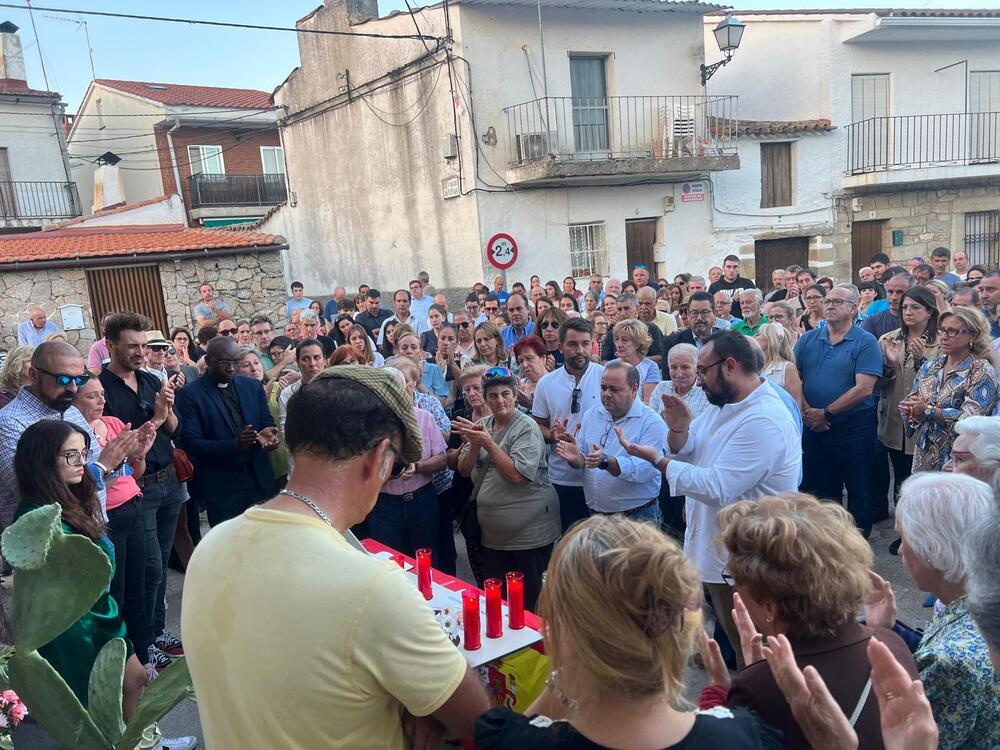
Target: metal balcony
38,200
225,190
879,147
560,138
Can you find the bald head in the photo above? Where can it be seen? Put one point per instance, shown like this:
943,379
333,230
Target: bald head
56,372
48,353
38,317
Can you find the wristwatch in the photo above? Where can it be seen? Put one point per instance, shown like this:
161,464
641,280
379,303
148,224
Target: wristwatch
603,466
827,415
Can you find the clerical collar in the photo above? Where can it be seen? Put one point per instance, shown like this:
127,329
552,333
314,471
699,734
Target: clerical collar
222,385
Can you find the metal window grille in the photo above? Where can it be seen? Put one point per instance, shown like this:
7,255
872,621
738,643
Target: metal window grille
982,238
588,249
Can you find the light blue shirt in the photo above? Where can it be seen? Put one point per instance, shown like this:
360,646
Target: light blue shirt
511,337
297,304
433,380
639,481
420,307
28,335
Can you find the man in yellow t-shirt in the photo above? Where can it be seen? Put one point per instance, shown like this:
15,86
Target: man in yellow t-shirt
295,638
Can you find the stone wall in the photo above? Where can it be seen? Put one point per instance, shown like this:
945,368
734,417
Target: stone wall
249,282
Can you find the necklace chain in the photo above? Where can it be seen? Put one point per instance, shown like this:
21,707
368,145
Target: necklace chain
315,508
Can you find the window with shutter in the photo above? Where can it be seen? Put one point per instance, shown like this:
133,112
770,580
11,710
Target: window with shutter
775,175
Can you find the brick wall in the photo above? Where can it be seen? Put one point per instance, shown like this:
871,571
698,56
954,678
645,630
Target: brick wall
241,152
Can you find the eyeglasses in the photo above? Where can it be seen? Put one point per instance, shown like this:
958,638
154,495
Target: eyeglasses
157,348
952,332
836,302
548,324
228,332
74,458
464,325
912,308
492,308
698,313
399,464
172,352
574,405
728,579
65,380
497,372
703,371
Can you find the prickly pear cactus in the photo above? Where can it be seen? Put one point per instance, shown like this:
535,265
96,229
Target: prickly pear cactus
57,579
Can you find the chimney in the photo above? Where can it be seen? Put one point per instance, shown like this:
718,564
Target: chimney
109,190
11,55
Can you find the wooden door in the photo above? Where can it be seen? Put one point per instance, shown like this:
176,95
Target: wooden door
866,240
131,289
640,235
780,253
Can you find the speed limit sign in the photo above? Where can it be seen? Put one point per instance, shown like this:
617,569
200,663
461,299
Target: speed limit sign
501,251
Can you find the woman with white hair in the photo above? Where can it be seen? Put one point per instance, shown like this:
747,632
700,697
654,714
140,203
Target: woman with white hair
935,514
982,559
976,449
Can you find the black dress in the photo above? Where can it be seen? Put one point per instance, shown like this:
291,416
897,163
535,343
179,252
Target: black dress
731,729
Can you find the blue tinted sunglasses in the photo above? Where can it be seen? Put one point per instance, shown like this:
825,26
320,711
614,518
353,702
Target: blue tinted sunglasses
65,380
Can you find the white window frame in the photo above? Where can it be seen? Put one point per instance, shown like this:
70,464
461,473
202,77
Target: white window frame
280,159
588,249
200,160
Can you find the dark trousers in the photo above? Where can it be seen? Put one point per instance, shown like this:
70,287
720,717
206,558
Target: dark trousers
672,511
161,502
572,505
840,457
245,491
902,467
881,482
532,562
407,525
128,586
444,548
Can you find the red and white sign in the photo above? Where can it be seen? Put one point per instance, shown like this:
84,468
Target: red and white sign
501,251
692,192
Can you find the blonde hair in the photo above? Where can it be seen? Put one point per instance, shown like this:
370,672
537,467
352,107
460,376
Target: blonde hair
490,330
779,344
785,307
10,376
975,321
636,330
401,331
401,363
622,598
472,372
804,555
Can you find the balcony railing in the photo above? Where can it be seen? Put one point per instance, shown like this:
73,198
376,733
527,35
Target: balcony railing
913,141
621,127
209,190
38,200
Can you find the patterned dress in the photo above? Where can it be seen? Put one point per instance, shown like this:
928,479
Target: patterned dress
970,389
963,690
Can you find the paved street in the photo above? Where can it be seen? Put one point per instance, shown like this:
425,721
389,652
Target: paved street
183,720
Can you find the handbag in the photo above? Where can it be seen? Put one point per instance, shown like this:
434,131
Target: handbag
183,466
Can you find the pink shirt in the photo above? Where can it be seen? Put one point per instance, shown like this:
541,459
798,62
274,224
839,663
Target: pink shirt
433,445
98,354
123,488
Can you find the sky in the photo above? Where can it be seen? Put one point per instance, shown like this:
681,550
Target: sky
180,53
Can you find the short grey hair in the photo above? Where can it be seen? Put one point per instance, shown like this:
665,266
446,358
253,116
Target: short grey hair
981,554
397,374
627,297
682,350
936,512
852,291
697,278
308,314
757,293
778,270
986,447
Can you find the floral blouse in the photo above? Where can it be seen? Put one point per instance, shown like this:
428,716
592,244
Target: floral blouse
968,390
963,690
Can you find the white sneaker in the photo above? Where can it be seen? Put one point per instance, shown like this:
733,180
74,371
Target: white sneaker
178,743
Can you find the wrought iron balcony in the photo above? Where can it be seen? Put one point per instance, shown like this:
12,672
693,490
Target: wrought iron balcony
643,134
221,190
38,200
882,144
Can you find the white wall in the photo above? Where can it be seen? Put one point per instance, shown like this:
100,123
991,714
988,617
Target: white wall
170,210
32,142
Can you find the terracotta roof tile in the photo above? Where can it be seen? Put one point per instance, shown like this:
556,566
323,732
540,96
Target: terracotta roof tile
194,96
781,127
17,87
107,241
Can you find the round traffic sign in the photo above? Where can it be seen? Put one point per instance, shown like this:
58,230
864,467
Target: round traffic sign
501,251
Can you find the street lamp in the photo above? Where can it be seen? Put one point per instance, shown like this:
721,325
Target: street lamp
728,34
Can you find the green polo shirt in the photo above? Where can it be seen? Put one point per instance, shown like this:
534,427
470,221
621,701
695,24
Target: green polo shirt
748,330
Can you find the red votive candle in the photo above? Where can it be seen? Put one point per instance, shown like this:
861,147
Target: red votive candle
515,600
424,572
398,559
494,618
471,639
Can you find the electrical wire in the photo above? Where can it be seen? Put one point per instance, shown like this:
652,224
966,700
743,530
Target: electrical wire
224,24
254,110
405,109
167,117
422,109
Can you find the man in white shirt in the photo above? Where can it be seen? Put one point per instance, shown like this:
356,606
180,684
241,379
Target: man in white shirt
747,448
561,399
401,301
614,481
36,329
420,303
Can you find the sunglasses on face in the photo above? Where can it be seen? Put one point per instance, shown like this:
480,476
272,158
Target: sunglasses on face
157,348
548,324
65,380
228,332
464,325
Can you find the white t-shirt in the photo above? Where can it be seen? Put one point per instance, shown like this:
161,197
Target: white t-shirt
553,400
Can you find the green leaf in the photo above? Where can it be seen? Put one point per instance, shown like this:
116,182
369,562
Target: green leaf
105,689
52,704
26,542
159,697
48,599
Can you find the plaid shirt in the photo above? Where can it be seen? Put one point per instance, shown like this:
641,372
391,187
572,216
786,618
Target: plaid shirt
15,418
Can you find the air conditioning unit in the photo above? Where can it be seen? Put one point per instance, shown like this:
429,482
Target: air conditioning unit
535,146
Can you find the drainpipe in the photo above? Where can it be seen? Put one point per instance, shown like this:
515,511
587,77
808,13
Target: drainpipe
173,163
58,115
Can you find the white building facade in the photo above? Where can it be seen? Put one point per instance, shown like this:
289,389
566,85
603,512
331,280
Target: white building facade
592,153
36,188
902,152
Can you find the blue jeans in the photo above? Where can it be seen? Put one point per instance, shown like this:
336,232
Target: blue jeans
651,515
161,503
844,457
406,525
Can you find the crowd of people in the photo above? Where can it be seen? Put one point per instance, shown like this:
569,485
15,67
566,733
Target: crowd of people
642,451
